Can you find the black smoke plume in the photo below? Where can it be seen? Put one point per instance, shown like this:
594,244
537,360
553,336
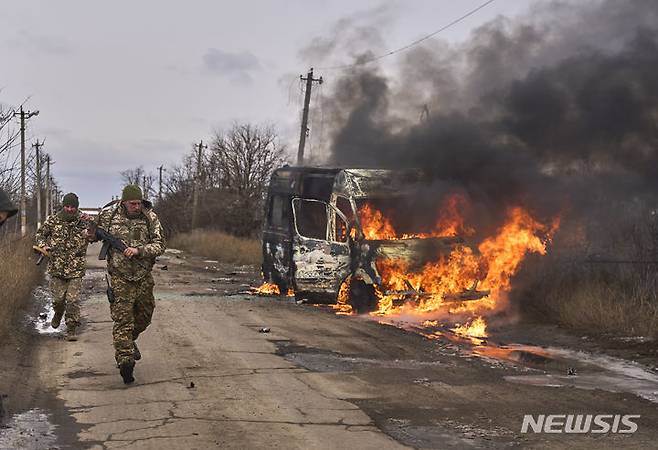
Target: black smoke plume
556,111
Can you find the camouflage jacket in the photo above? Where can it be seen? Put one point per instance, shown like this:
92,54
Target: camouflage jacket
143,232
68,245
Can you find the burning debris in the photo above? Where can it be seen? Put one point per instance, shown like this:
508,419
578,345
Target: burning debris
270,289
482,275
477,328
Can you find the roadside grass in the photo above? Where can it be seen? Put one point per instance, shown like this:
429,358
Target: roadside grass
219,246
18,276
611,300
600,274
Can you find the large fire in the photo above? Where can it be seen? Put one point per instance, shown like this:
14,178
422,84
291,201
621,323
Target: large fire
445,284
450,223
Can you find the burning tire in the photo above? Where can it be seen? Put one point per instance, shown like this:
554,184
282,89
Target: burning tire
362,297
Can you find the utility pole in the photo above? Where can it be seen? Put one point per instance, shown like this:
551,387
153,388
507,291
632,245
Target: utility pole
54,198
37,146
49,206
160,169
307,100
24,115
144,187
197,184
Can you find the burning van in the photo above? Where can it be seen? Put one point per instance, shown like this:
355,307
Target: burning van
328,236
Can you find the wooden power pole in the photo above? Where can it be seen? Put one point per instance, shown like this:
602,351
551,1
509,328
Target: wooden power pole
49,206
160,169
24,115
197,184
307,100
37,147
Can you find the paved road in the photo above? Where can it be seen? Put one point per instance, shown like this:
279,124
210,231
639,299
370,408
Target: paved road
209,378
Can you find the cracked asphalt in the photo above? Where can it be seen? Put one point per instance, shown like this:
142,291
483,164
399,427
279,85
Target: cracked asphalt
209,378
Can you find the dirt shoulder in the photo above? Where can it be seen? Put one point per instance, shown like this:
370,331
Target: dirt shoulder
225,369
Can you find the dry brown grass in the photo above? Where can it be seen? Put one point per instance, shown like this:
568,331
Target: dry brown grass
219,246
18,276
600,275
616,300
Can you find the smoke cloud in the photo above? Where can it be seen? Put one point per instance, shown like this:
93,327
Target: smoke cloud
555,110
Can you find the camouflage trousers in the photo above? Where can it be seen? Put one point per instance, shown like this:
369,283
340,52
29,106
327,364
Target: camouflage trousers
66,298
131,312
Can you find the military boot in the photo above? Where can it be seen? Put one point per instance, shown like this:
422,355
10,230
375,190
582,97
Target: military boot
126,371
137,355
57,319
71,334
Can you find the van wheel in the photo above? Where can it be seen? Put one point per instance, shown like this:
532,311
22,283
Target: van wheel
362,297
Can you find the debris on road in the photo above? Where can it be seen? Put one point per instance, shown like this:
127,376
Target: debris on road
264,330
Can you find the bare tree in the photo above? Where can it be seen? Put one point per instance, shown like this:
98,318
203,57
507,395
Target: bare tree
142,179
243,158
233,179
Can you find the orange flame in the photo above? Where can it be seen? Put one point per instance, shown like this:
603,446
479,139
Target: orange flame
450,222
475,328
342,306
267,289
450,280
451,219
374,224
271,289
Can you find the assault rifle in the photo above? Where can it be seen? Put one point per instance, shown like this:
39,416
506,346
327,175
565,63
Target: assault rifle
110,241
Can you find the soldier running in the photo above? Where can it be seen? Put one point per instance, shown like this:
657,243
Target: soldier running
64,236
134,222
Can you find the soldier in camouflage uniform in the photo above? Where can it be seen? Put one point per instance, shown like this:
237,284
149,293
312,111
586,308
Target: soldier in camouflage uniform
64,236
134,222
7,209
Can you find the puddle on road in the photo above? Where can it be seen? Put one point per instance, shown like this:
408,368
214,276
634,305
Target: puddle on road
600,372
30,430
558,367
45,313
43,300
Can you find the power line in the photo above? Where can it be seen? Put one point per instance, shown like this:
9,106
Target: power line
408,46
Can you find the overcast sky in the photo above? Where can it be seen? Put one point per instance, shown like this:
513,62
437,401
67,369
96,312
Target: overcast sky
128,83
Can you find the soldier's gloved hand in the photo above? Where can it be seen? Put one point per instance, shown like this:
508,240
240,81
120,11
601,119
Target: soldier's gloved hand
85,217
130,252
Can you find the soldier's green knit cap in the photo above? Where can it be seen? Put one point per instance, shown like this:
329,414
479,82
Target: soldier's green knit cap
131,192
71,199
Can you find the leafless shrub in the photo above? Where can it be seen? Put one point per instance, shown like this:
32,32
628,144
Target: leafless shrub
232,182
